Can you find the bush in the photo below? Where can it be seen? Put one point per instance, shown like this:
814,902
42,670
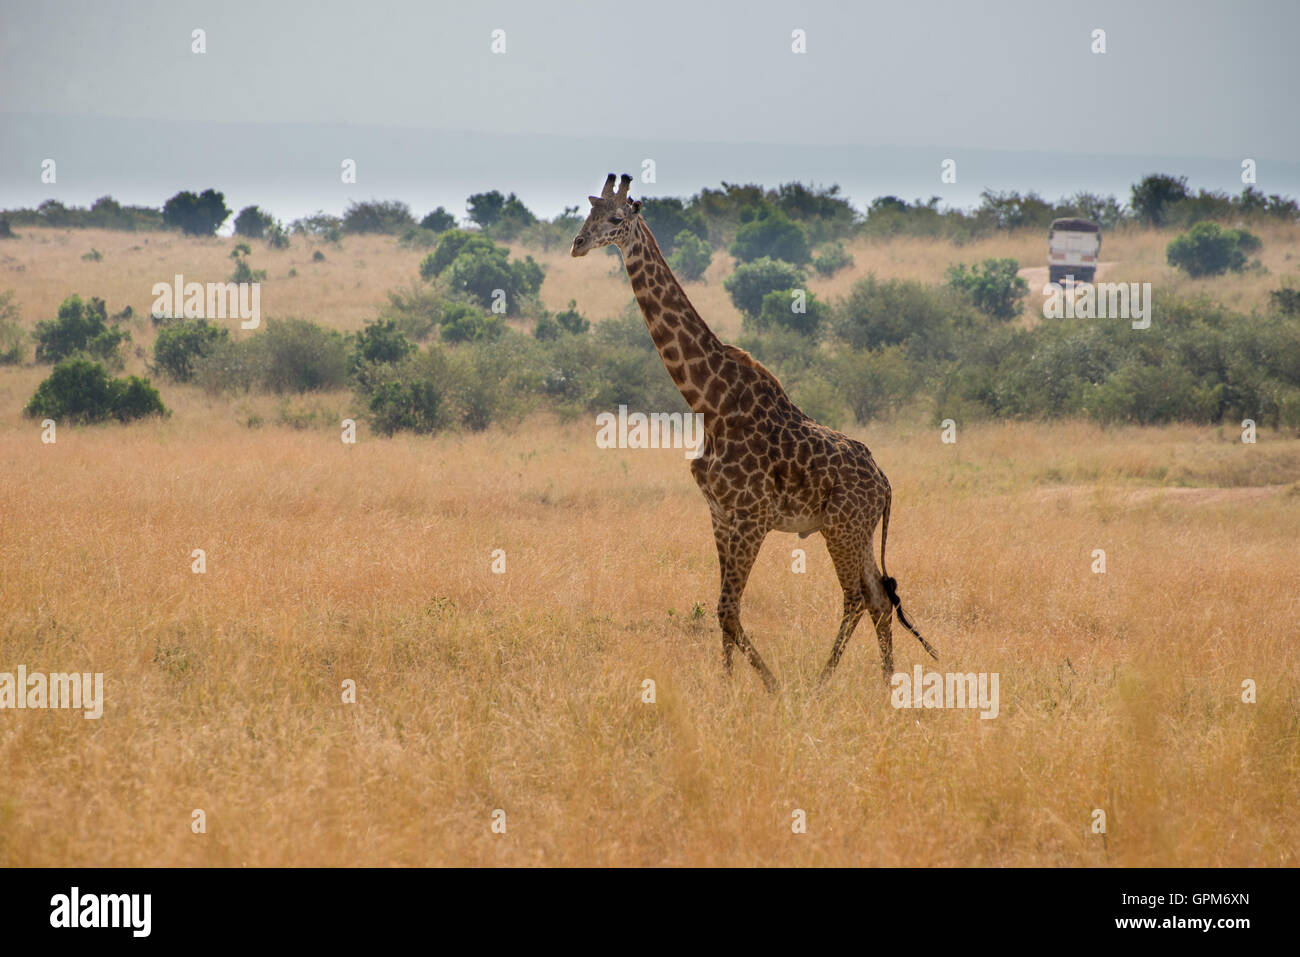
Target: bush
779,311
181,343
277,237
391,216
411,405
668,218
438,221
13,339
1286,301
752,281
831,259
80,327
319,224
819,400
569,322
381,341
1210,250
770,233
79,390
450,245
289,355
876,383
926,320
993,286
505,216
462,322
252,222
302,356
1153,195
244,272
692,256
476,266
194,215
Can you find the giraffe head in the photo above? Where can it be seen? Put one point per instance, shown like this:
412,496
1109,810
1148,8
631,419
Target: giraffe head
612,219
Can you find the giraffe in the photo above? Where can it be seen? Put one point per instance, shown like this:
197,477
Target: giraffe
765,465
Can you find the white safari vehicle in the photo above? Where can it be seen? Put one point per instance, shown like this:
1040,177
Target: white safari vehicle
1073,247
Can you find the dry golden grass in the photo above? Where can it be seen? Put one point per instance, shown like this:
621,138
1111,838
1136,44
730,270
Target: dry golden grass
522,691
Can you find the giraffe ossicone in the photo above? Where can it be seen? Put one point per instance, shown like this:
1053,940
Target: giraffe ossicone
765,466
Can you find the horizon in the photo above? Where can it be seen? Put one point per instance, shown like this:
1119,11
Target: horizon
300,188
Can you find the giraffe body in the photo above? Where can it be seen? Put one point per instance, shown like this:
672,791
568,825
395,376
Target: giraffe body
765,466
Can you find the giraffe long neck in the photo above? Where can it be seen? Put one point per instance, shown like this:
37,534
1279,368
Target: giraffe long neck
690,350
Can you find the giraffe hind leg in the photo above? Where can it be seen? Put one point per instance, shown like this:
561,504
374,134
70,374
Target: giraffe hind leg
848,558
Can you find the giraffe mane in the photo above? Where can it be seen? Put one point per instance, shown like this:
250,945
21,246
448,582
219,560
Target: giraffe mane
745,359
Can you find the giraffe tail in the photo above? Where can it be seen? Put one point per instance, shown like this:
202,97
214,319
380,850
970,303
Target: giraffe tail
891,587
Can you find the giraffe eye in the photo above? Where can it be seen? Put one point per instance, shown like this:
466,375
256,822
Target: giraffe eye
616,219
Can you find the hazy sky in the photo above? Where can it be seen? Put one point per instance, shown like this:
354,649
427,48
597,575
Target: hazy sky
1181,78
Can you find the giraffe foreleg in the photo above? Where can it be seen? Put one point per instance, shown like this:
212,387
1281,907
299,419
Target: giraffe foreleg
738,546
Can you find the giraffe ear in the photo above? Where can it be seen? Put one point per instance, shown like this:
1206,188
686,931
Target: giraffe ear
594,200
636,205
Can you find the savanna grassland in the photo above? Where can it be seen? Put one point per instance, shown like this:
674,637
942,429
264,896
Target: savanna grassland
523,691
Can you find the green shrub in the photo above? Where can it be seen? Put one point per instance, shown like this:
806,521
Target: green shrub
1286,300
474,265
13,339
781,308
302,356
320,225
288,355
571,321
277,237
926,320
450,245
438,221
993,286
819,400
1153,196
877,383
504,216
199,215
381,341
391,216
243,272
831,259
462,322
417,310
750,282
79,390
691,258
180,343
772,234
80,327
252,222
668,218
410,405
1208,249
